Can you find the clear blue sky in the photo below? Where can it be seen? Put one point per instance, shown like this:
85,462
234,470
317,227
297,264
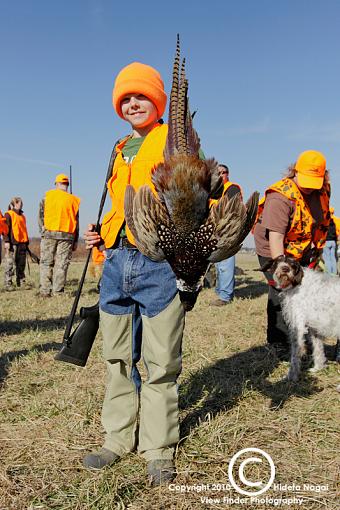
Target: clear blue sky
264,76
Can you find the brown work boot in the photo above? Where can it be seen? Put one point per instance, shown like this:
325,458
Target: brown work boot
220,302
43,294
99,459
161,471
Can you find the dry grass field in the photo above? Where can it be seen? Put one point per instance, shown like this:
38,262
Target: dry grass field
231,398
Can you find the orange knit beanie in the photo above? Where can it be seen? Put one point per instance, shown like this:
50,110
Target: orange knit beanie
141,79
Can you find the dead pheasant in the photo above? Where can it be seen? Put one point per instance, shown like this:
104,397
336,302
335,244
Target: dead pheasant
180,224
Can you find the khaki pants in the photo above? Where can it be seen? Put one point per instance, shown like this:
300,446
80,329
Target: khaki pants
55,257
158,400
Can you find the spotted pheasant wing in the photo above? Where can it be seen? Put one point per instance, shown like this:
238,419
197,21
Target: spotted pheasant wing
144,215
232,222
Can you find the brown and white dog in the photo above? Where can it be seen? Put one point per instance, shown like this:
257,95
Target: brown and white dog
310,303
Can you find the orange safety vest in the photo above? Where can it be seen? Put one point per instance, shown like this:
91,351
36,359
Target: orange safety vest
301,233
98,256
226,185
60,211
3,225
19,229
138,173
336,220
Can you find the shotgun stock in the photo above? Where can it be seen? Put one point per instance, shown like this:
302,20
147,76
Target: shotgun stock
76,348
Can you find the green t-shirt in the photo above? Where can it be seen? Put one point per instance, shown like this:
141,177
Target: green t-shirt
129,152
131,148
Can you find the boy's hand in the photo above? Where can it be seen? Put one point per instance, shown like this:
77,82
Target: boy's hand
91,237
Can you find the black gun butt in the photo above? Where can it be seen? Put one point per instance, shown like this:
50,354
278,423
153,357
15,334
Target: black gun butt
68,357
77,347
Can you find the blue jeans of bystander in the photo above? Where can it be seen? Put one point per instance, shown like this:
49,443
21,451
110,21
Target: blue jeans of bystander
225,279
329,257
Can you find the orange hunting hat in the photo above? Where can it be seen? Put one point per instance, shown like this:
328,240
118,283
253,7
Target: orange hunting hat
310,167
62,178
142,79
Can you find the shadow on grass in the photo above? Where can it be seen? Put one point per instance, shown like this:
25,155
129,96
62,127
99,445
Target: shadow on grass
252,289
16,327
8,357
220,386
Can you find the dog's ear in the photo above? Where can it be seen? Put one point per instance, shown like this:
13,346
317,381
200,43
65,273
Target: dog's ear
271,265
267,266
298,273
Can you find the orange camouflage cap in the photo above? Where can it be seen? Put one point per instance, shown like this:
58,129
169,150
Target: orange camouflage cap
62,178
311,168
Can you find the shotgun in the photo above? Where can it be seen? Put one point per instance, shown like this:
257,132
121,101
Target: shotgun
76,347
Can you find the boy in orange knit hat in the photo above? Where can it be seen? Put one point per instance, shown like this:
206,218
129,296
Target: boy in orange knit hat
137,293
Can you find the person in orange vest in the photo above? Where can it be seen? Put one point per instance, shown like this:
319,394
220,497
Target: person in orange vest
97,262
3,231
329,253
225,270
138,415
3,225
293,220
336,220
59,227
15,243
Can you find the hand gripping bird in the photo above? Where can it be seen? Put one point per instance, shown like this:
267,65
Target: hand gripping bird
182,223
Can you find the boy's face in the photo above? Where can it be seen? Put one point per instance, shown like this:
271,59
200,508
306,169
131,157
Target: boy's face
138,110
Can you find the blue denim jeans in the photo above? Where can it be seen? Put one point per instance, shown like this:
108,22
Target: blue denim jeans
225,272
329,257
134,284
129,278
